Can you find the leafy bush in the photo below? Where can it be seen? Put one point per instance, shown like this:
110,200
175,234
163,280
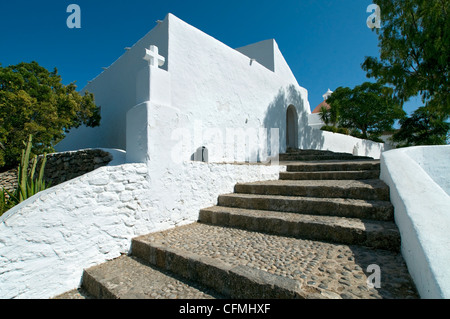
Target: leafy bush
329,128
354,133
34,101
340,130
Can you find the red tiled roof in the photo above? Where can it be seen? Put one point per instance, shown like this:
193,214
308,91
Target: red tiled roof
318,107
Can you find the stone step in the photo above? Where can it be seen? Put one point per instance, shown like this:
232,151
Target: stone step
331,175
324,157
245,264
333,166
231,280
349,231
128,277
308,152
366,189
351,208
77,293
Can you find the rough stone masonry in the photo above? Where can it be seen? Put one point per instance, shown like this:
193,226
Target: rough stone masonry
61,167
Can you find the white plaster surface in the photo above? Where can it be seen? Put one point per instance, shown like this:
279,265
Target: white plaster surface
435,161
47,241
315,121
137,134
324,140
417,177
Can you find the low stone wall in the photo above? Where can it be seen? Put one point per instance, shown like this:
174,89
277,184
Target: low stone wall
61,167
8,180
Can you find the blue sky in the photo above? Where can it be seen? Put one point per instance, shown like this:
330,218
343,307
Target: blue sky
323,41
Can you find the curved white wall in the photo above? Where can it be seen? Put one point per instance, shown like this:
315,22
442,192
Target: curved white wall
47,240
417,177
313,138
435,161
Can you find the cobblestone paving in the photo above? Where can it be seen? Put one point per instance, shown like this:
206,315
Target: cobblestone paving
74,294
338,268
130,278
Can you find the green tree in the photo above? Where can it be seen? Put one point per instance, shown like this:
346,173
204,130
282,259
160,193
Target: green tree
414,42
325,115
423,127
369,108
34,101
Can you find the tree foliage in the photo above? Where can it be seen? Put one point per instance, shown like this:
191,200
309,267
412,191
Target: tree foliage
423,127
369,108
414,42
34,101
325,115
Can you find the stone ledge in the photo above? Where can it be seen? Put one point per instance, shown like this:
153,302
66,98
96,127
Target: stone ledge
61,167
352,208
234,281
349,231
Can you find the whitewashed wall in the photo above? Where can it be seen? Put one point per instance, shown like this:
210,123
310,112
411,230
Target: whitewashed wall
223,89
47,241
115,92
418,177
312,138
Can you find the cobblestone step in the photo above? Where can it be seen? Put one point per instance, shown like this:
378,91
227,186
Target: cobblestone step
323,157
129,277
312,155
331,175
367,189
245,264
349,231
351,208
78,293
308,152
230,280
342,166
317,152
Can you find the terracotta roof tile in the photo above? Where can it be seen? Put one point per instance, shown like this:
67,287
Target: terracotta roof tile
318,107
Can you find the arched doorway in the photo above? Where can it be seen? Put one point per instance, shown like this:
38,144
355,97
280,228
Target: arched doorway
291,127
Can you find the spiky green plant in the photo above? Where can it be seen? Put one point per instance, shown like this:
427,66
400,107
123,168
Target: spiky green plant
28,185
5,202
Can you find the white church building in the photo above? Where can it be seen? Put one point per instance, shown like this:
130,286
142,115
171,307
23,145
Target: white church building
178,82
185,117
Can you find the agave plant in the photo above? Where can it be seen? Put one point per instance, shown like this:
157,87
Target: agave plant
5,202
28,185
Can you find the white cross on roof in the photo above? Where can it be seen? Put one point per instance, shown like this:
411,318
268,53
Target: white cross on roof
153,56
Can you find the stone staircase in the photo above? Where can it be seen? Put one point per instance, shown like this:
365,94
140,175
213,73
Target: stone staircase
314,233
317,155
